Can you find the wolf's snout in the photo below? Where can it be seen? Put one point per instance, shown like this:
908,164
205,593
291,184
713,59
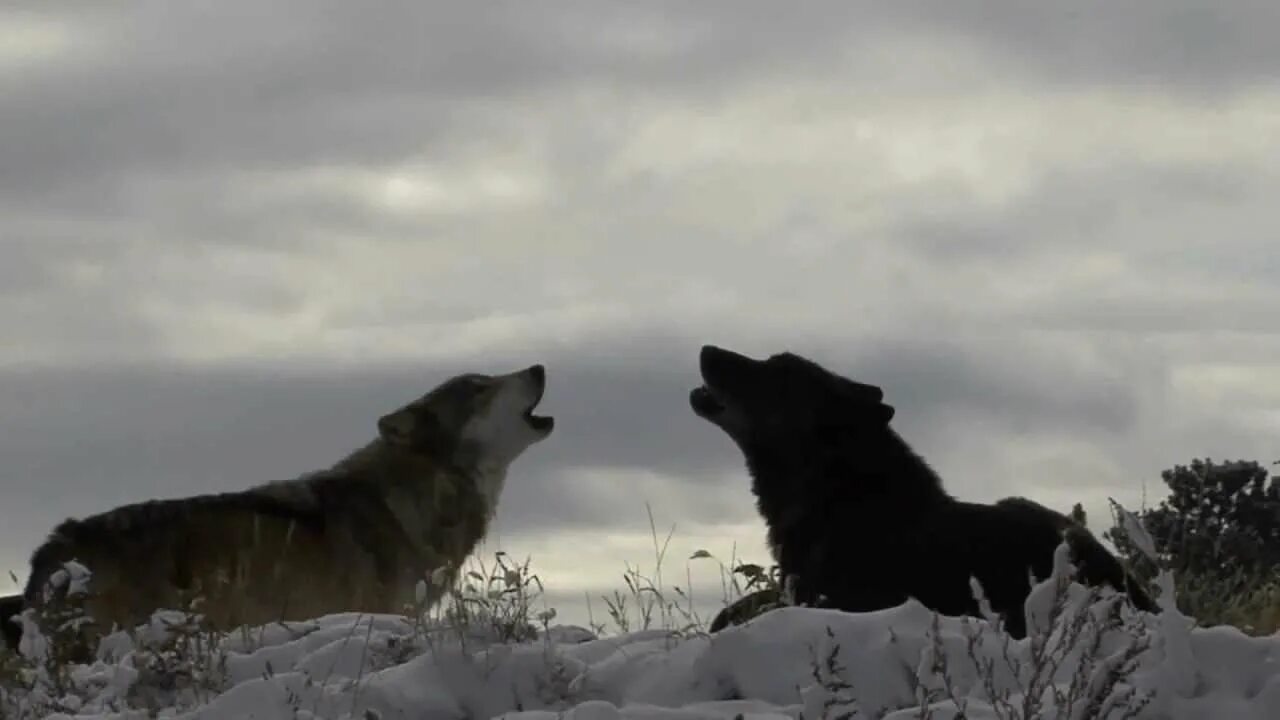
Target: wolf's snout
707,358
707,352
711,363
538,373
714,360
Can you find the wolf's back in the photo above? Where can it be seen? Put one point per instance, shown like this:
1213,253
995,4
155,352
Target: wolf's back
235,549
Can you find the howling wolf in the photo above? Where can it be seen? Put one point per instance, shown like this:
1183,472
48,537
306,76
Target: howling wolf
858,519
411,505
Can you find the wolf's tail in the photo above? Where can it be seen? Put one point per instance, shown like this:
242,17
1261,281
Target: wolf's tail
9,608
1097,566
57,549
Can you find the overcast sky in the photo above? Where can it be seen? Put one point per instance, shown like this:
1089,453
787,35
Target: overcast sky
234,233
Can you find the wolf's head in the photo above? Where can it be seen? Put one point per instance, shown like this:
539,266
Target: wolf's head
783,402
473,419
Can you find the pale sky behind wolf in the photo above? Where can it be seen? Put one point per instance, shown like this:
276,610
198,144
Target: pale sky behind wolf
236,232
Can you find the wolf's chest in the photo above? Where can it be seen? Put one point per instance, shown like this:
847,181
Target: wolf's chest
464,501
489,484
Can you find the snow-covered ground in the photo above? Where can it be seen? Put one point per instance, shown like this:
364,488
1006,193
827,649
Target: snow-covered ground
1091,658
1087,655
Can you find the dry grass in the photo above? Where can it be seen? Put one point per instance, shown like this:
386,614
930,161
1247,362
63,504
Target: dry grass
1251,604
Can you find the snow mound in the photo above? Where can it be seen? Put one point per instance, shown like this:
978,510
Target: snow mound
788,663
1087,655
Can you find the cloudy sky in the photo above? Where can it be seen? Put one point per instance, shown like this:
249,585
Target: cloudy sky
235,232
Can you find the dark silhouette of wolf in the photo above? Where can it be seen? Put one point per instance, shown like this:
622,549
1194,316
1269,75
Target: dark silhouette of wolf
858,520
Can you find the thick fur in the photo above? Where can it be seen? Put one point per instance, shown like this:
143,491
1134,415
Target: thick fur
859,520
410,505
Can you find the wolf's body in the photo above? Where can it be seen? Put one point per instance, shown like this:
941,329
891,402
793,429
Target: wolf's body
857,519
410,506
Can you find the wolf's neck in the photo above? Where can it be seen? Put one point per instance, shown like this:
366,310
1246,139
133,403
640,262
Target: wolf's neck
843,478
489,482
377,459
372,455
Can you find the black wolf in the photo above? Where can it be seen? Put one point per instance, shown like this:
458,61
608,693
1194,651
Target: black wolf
858,519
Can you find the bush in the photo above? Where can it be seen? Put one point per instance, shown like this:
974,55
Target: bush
1219,532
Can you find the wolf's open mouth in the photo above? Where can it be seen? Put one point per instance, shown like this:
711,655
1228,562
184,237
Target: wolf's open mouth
704,401
541,423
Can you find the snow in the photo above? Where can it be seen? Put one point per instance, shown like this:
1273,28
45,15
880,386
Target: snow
790,662
1088,655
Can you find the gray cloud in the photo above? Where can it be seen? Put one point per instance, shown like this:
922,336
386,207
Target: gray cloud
245,88
234,86
235,233
1175,44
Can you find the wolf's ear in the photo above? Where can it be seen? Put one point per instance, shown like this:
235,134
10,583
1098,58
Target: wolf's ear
398,427
413,427
886,413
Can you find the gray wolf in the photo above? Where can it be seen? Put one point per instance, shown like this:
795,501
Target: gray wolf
409,506
859,520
